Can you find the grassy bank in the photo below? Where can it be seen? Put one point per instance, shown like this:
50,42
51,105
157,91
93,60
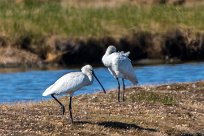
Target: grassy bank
64,32
42,18
175,109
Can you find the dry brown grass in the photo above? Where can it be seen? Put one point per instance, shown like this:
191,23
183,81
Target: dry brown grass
101,114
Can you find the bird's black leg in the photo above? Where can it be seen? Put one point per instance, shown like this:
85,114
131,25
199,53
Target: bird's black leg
70,108
123,89
62,106
118,90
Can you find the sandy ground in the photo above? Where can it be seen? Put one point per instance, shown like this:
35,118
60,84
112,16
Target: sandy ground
175,109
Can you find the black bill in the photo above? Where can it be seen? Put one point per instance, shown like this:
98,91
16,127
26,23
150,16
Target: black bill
99,82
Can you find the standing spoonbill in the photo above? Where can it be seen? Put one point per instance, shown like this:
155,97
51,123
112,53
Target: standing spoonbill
119,66
70,83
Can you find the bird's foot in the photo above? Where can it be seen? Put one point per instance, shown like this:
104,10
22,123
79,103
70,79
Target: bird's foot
70,121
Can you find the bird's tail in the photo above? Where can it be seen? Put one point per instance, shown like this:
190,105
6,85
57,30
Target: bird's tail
125,53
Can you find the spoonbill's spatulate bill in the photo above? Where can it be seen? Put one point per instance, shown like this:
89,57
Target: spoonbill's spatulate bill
120,66
70,83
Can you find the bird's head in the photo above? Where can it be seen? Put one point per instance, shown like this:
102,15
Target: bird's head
87,69
110,49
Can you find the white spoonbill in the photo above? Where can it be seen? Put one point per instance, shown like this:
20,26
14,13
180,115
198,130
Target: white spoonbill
119,66
70,83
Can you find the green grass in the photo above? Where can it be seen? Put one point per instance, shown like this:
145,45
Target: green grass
42,18
152,97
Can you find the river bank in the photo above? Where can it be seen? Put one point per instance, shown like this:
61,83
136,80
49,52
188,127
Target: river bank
63,33
174,109
175,46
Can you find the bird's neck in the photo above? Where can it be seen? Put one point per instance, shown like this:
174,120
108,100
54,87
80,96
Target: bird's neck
107,53
106,59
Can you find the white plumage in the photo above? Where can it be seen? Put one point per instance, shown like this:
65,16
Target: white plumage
120,66
70,83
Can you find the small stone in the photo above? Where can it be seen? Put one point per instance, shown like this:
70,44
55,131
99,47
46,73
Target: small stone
193,85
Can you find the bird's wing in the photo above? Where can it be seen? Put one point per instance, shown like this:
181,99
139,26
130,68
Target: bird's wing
125,66
122,66
69,82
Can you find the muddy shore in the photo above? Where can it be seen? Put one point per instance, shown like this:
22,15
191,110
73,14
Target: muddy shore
173,46
175,109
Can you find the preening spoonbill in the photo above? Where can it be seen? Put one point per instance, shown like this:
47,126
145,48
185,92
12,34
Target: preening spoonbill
70,83
119,66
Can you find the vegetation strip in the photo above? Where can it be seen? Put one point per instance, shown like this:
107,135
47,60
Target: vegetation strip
54,31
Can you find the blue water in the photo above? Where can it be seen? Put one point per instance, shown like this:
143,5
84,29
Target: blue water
29,85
